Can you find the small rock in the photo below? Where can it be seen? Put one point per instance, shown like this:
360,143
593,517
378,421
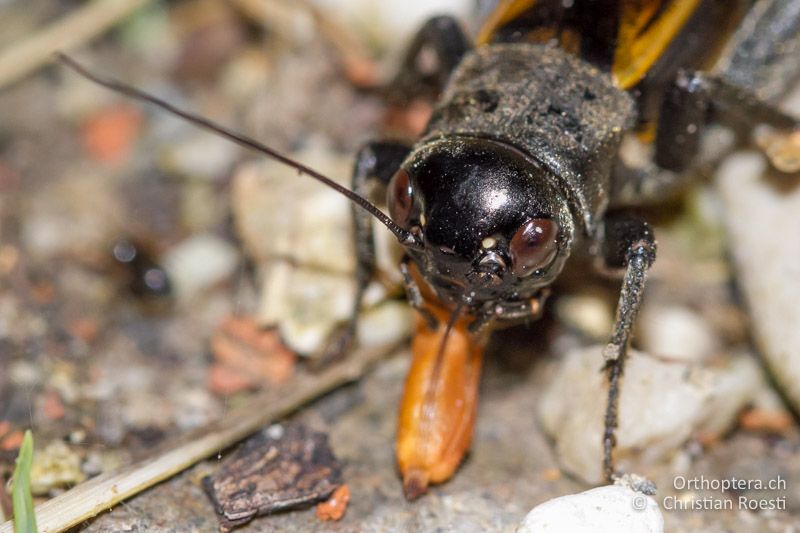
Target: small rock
198,263
305,304
11,439
334,507
200,155
608,509
300,233
195,408
57,466
77,215
386,323
390,23
97,462
109,134
763,222
281,214
51,405
662,404
590,314
676,332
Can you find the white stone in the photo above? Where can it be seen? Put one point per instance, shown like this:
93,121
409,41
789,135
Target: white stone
80,213
391,24
588,313
385,323
300,234
763,223
198,263
662,404
609,509
305,304
200,155
676,332
55,467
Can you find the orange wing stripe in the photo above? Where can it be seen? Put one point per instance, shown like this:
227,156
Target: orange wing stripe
645,31
636,52
505,12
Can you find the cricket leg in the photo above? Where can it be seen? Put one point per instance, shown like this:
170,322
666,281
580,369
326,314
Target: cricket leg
435,51
628,243
682,118
685,110
377,162
780,140
729,101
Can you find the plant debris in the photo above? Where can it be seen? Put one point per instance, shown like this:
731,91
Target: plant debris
283,467
247,357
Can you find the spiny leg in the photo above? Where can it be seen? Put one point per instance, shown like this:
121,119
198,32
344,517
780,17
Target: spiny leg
685,110
628,243
435,51
377,162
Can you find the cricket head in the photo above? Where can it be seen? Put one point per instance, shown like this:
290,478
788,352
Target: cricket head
489,223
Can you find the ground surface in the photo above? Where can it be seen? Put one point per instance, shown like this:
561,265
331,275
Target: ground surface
88,360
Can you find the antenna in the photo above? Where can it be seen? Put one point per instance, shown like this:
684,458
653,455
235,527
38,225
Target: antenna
406,238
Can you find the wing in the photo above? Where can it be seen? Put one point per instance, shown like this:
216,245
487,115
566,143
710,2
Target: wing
623,37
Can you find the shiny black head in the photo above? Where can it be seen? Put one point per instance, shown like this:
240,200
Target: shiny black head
493,223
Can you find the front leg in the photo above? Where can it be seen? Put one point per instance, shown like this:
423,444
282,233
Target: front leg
627,243
377,162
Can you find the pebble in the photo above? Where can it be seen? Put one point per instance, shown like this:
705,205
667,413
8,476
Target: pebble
762,216
663,403
676,332
384,324
198,263
590,314
300,234
57,466
76,216
608,509
391,24
200,156
281,214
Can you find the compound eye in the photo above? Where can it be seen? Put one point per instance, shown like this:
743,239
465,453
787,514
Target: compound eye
533,246
400,198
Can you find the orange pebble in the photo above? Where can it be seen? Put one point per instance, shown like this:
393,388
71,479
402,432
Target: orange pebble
53,407
334,507
764,420
12,441
109,134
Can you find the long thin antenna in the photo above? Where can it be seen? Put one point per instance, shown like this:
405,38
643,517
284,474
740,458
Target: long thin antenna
406,238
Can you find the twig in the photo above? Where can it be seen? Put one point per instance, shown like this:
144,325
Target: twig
85,23
96,495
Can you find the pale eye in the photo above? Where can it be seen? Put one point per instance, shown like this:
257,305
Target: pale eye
400,198
533,246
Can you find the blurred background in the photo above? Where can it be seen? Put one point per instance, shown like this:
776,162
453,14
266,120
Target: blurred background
153,277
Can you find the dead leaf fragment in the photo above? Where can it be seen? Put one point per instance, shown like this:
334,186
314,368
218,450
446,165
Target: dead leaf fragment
283,467
250,356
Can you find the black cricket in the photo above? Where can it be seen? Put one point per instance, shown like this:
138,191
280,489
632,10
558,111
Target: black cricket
519,164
